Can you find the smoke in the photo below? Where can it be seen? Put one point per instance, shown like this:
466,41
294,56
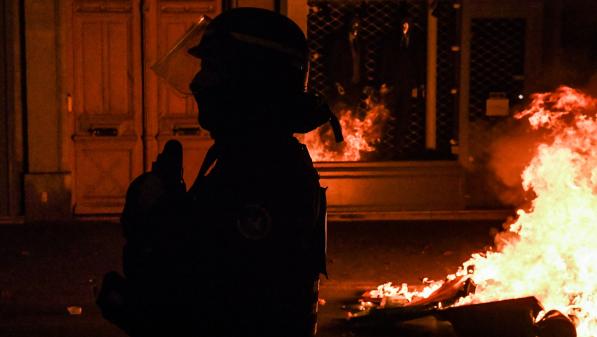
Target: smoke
509,153
511,145
591,87
498,155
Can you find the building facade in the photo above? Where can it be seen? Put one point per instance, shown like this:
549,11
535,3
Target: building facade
83,113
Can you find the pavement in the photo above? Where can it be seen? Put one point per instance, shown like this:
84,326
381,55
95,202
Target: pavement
46,268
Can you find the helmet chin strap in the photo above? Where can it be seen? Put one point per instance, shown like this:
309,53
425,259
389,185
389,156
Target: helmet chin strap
322,109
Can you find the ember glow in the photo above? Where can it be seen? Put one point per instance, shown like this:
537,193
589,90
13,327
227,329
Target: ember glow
361,135
550,250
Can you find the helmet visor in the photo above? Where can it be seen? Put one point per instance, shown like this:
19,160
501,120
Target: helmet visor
177,67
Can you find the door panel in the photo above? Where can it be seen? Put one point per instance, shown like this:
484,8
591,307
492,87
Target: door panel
106,167
106,39
106,45
171,115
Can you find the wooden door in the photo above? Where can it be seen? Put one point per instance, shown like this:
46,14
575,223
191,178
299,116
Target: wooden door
105,101
122,114
170,115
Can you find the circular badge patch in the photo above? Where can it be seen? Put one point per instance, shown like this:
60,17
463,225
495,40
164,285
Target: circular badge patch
254,222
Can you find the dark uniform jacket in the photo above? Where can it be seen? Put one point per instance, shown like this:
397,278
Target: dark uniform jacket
257,218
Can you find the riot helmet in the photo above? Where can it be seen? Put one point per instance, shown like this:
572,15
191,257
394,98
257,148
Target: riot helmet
254,67
256,39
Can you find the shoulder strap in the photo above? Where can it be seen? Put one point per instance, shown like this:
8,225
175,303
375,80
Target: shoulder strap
210,158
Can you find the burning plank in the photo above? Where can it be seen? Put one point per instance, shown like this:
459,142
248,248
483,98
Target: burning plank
508,318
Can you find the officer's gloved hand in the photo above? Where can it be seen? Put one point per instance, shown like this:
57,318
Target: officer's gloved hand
168,167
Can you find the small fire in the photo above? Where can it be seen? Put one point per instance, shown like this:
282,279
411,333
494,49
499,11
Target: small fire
361,135
550,250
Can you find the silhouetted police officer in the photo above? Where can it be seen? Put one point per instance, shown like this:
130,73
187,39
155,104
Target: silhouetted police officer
259,214
240,253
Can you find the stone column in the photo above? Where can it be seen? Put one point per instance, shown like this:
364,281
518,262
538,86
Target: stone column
47,183
11,140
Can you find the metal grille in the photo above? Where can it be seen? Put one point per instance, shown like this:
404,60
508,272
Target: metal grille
447,74
378,18
497,61
497,65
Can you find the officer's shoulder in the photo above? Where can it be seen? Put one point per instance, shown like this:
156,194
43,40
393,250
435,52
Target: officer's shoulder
146,188
145,180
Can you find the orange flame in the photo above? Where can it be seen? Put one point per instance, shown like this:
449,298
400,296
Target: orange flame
361,135
550,250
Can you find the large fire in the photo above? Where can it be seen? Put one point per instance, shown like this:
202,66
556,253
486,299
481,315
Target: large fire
550,249
362,132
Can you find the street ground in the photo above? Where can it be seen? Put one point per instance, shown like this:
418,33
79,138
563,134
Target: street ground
45,268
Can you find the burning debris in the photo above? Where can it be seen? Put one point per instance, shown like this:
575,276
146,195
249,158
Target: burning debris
545,257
